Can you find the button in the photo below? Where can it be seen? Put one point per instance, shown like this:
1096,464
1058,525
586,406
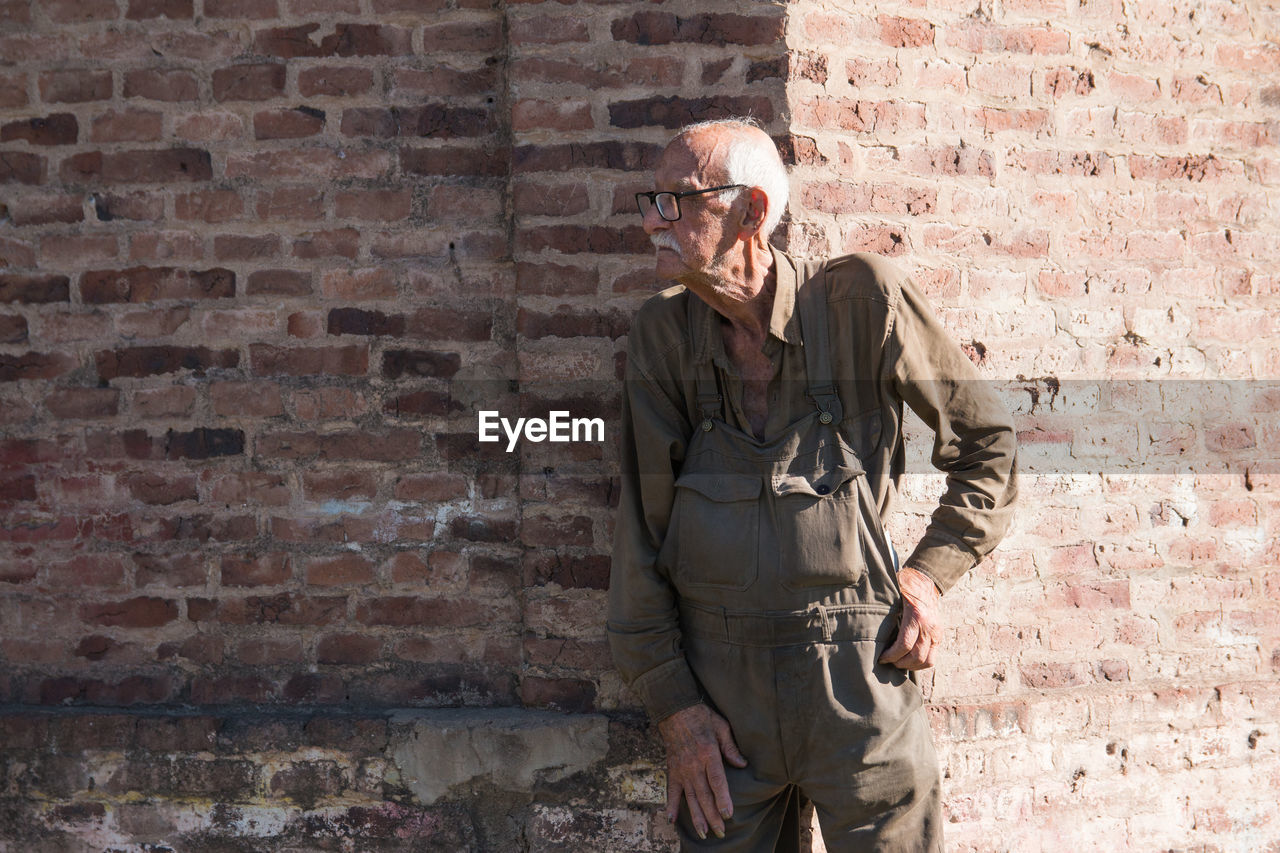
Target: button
822,489
706,425
825,417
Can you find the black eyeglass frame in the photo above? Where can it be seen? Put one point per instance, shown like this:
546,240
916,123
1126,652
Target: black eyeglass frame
652,196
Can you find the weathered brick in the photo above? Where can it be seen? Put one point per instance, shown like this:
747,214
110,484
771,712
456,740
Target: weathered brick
74,86
139,612
21,167
53,129
675,112
288,124
151,361
34,289
176,10
257,82
657,28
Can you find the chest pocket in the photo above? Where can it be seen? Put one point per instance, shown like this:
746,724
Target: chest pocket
819,523
716,520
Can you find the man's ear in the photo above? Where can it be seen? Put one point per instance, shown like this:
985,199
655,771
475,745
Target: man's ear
753,215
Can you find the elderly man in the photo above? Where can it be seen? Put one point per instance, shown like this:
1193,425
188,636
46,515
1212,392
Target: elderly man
756,605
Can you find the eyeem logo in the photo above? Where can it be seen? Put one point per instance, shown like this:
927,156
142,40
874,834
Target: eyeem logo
557,427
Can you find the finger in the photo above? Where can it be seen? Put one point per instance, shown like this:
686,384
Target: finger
695,813
720,789
933,652
673,799
728,747
707,804
908,632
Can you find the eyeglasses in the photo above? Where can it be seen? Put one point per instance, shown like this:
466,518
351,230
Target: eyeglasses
668,204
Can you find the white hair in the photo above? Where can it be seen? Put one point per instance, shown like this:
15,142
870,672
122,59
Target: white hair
751,163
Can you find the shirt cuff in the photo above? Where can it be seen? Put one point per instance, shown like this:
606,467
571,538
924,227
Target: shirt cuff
668,688
943,561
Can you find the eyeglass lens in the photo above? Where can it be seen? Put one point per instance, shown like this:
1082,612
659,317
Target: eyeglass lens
668,205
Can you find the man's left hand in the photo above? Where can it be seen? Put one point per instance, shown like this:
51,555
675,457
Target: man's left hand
920,630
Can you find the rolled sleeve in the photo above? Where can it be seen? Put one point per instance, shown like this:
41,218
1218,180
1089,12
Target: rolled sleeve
643,624
974,441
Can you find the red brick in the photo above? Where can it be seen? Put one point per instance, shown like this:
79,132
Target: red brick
80,403
146,284
173,164
255,569
258,82
345,40
339,571
74,86
80,11
286,203
288,124
175,10
436,81
278,283
246,399
127,126
337,81
328,403
411,611
74,249
657,28
451,161
546,29
209,206
340,485
905,32
159,85
560,694
339,242
374,205
34,289
674,112
151,361
171,570
21,167
54,129
595,239
35,365
462,36
13,329
387,446
267,360
357,284
252,9
246,247
205,127
354,321
347,649
270,651
13,90
556,280
140,612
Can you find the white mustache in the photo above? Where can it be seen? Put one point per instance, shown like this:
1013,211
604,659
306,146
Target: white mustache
665,240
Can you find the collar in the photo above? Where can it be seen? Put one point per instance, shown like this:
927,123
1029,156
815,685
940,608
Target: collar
784,322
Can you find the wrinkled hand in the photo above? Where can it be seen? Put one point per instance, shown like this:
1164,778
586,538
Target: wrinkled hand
920,630
696,738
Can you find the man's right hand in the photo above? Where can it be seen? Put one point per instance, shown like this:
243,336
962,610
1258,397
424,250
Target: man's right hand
696,738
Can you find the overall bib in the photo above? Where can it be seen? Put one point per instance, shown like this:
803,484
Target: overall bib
788,595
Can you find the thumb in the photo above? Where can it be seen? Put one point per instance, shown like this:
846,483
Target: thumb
724,736
908,633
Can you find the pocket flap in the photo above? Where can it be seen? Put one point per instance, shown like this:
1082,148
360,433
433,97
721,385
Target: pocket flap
722,487
818,486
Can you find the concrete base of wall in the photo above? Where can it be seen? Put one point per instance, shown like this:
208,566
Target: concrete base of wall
76,781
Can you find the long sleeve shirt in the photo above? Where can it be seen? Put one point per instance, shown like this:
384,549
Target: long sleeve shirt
888,349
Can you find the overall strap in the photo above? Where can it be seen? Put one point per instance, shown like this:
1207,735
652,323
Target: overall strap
710,402
812,297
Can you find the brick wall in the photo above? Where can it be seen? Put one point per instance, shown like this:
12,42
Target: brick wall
264,261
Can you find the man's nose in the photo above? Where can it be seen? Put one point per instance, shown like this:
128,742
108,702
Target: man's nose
653,221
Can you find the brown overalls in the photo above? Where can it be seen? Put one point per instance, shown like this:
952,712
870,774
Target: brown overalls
787,596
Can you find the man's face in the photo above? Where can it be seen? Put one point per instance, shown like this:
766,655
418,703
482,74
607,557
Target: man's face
696,243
